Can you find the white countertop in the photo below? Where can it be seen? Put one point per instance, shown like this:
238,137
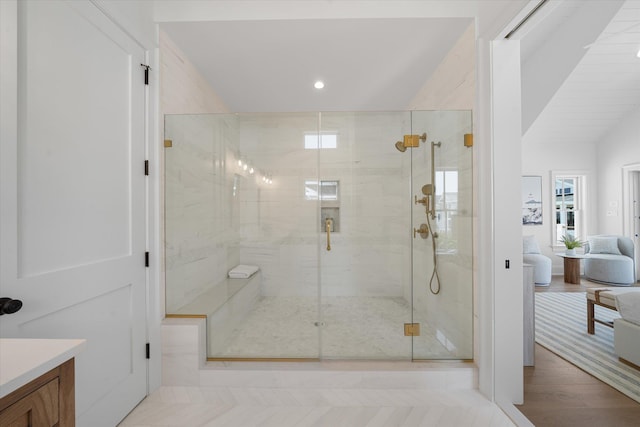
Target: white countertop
23,360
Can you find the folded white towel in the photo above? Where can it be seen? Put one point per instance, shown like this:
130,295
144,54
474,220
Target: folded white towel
243,271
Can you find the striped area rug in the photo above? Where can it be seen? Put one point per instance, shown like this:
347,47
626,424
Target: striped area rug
561,327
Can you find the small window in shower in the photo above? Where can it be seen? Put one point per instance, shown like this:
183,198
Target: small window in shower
326,191
447,209
327,140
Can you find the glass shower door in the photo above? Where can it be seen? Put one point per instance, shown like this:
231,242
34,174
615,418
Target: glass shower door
442,195
327,205
364,247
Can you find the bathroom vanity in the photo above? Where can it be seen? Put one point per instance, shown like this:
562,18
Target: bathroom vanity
37,381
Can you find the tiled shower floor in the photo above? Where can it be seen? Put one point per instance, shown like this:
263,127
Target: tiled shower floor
353,328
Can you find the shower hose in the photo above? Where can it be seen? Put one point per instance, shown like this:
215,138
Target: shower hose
434,275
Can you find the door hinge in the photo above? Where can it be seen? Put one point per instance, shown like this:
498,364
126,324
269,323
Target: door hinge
412,329
148,351
468,140
146,259
146,167
146,73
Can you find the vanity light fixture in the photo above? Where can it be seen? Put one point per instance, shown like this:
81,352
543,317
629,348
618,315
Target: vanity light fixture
319,84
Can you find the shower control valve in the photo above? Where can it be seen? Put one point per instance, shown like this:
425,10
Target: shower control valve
423,231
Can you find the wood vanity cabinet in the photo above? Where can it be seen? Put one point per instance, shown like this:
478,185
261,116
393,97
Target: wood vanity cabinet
47,401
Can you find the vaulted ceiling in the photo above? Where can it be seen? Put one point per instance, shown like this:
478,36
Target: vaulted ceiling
581,72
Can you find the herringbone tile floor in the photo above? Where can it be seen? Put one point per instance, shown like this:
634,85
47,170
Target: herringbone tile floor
264,407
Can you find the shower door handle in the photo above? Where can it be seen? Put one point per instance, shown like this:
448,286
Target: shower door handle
327,226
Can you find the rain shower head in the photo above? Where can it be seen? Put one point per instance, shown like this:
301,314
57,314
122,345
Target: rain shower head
410,141
401,147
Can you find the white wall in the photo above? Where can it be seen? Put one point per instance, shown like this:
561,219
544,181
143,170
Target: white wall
619,147
541,158
452,85
183,89
506,131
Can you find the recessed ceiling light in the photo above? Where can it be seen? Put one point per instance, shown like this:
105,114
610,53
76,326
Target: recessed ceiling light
319,84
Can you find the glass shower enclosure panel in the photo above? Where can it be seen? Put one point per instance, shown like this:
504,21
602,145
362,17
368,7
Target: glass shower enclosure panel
277,234
234,195
442,217
364,246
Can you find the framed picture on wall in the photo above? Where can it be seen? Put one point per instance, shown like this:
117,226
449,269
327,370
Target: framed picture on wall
531,200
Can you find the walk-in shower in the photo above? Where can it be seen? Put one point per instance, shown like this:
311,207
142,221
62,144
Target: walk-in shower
325,206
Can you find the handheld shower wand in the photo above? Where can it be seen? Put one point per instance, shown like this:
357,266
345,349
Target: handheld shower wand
429,190
429,202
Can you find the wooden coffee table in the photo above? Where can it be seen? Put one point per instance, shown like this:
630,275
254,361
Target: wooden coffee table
572,268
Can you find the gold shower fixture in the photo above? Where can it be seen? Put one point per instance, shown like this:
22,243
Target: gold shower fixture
410,141
423,231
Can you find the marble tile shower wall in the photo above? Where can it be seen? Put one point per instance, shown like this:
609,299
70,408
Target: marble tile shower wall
281,228
202,229
450,313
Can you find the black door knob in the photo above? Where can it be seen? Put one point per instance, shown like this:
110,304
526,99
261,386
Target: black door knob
8,305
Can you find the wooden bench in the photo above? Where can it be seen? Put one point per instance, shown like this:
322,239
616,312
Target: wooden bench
604,297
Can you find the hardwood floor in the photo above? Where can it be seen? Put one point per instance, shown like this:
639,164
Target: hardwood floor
557,393
558,285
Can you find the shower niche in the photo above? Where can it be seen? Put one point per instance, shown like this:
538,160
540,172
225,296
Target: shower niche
342,292
329,196
327,192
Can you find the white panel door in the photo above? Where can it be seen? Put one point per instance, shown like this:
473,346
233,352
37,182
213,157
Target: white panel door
72,230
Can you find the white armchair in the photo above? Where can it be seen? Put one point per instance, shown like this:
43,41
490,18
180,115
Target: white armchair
541,264
610,260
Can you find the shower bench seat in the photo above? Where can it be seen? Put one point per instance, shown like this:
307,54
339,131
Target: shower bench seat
224,306
214,298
